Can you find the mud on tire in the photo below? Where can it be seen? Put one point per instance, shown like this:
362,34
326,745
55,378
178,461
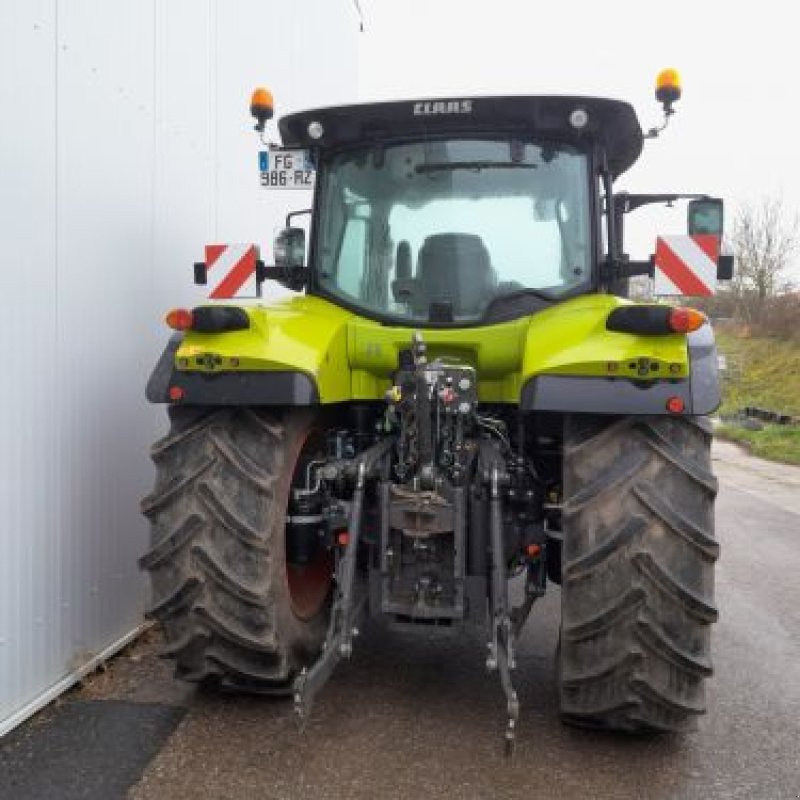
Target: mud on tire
217,558
637,576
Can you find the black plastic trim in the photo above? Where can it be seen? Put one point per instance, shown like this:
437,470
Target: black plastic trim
706,389
642,319
575,394
219,319
612,124
725,267
246,388
159,383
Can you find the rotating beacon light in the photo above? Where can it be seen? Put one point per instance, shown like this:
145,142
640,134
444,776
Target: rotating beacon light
262,107
668,92
668,89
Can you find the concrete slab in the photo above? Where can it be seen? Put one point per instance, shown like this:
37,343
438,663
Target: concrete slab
87,750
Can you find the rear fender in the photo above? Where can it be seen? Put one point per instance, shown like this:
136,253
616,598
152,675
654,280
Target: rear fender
292,352
244,388
574,364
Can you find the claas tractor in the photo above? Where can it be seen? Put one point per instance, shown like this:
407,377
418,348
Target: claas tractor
454,408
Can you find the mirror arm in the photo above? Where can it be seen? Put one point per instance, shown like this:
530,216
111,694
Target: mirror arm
625,268
292,214
294,278
632,268
624,202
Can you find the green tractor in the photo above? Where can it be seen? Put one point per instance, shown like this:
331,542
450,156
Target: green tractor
457,396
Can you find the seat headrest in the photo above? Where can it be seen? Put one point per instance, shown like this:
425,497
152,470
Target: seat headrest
455,268
462,247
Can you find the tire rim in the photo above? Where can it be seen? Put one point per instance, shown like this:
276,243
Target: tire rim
310,584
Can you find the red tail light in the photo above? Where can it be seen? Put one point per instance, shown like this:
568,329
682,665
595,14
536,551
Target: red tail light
675,405
180,319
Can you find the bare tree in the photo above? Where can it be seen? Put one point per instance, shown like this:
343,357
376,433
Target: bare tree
765,237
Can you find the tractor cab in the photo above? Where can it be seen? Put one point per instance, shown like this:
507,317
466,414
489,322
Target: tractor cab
458,212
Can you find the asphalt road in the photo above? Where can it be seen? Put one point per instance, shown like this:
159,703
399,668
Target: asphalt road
412,717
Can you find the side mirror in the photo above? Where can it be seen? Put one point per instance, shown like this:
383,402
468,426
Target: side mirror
290,247
705,216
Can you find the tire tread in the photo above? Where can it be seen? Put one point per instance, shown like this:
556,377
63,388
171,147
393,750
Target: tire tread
639,545
216,566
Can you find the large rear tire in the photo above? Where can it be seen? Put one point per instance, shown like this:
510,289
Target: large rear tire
637,576
232,610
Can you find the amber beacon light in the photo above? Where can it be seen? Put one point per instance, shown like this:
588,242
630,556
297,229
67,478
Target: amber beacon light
262,107
668,88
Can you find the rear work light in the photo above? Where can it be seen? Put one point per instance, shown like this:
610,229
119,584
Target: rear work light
180,319
654,320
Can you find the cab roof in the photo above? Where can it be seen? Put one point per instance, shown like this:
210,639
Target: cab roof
612,124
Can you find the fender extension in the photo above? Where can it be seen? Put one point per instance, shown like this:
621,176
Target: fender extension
285,387
589,395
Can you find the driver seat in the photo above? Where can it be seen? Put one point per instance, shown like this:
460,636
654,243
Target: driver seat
455,268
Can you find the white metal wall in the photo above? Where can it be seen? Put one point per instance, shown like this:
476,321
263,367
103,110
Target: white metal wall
125,145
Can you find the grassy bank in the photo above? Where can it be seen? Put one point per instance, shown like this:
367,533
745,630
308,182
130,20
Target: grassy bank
761,372
765,373
774,442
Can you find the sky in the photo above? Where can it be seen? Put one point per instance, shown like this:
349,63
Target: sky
736,130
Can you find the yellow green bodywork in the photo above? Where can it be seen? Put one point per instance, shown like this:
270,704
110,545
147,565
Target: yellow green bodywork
352,358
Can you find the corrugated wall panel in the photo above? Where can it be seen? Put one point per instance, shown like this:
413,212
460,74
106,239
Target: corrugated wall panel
105,186
30,608
125,146
184,166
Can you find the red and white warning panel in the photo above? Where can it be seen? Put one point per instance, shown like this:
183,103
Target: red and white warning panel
686,265
234,266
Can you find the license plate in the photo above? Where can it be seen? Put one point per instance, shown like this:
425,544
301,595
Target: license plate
285,169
